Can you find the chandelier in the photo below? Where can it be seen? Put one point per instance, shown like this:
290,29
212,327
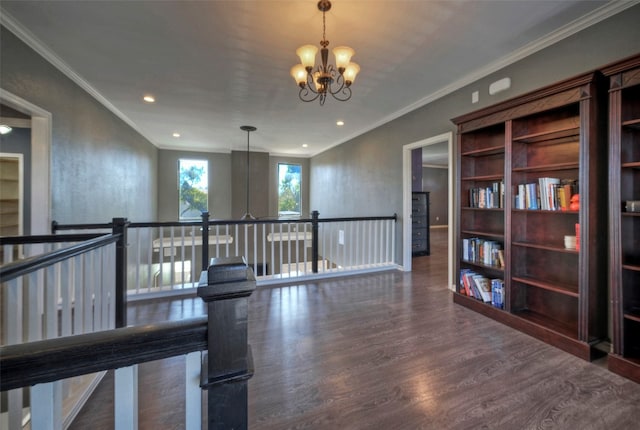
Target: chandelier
316,83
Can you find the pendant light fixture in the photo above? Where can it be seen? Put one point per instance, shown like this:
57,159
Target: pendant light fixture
326,78
248,129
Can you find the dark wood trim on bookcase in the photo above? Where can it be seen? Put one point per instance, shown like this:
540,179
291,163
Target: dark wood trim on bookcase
556,295
624,228
572,346
625,367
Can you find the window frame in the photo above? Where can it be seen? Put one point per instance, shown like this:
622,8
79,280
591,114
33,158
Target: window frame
199,162
289,214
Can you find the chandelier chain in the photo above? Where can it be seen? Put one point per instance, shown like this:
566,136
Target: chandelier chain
324,42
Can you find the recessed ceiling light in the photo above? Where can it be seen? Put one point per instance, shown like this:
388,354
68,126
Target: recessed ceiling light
340,123
5,129
149,98
304,145
176,134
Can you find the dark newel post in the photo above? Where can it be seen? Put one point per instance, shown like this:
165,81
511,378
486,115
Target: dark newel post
119,226
314,241
54,226
226,286
205,240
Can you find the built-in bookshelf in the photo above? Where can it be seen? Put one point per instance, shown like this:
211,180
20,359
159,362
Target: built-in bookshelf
481,216
10,214
624,214
546,153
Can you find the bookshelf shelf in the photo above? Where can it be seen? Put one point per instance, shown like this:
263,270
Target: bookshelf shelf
485,178
632,123
550,138
469,208
571,132
483,266
624,227
541,211
484,151
547,167
566,290
545,247
633,316
544,321
487,234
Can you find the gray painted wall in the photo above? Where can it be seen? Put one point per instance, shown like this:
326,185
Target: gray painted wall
364,175
436,182
100,167
258,184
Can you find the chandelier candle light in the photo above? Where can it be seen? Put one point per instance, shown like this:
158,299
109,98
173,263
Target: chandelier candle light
316,83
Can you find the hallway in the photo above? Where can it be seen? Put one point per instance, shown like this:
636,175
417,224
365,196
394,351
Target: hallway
387,351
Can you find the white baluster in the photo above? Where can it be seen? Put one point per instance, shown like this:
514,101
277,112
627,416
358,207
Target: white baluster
193,392
126,398
46,406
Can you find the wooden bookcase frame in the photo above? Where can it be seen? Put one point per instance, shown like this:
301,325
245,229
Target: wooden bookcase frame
555,294
624,227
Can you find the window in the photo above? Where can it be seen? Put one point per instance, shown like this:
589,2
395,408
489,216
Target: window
193,186
289,179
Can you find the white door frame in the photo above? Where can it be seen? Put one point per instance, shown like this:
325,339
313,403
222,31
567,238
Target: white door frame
40,160
406,201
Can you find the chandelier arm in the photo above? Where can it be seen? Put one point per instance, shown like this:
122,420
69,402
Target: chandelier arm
311,85
339,81
343,95
308,95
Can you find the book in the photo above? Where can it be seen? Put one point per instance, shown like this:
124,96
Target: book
477,250
464,283
501,257
497,293
484,287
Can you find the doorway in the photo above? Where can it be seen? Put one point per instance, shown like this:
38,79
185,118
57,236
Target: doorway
39,206
447,139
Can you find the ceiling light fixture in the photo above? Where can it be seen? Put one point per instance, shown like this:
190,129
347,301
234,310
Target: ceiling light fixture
149,99
339,123
176,134
326,78
248,129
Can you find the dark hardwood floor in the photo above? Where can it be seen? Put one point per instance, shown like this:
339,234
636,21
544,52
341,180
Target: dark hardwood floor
387,351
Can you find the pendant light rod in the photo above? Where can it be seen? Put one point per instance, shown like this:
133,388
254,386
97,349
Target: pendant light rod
248,129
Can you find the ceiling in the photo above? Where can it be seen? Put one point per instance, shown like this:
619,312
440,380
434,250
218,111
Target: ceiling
216,65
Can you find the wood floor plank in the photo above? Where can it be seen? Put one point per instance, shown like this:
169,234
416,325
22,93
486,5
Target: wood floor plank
391,351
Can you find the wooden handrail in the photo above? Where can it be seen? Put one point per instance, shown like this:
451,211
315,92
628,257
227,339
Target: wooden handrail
47,238
214,222
18,268
49,360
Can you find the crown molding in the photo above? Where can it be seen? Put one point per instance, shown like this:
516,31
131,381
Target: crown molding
26,36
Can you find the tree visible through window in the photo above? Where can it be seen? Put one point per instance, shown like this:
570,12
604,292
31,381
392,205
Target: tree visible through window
193,183
289,179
